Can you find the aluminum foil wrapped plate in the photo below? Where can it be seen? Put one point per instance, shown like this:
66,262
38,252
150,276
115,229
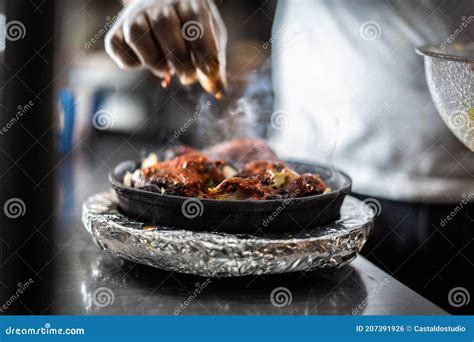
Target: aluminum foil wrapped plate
214,254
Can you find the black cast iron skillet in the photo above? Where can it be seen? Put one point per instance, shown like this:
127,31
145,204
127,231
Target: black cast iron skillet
234,216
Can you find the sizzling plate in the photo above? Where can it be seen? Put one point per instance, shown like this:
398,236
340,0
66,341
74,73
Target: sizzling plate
234,216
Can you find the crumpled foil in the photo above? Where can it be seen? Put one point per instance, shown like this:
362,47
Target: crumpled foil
213,254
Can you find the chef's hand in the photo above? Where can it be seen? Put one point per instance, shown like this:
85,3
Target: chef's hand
184,37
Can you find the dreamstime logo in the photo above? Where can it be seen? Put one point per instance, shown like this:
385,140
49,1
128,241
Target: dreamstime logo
373,293
370,30
466,198
199,110
102,119
279,119
280,297
102,297
108,24
21,288
465,22
21,110
459,119
374,114
459,296
14,208
266,44
280,208
200,287
192,30
15,30
370,207
192,208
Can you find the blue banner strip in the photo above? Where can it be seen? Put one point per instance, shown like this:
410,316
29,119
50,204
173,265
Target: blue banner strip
237,328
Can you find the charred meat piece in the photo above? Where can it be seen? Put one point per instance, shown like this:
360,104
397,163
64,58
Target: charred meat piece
306,185
259,167
254,188
276,173
189,175
237,188
255,174
241,151
267,180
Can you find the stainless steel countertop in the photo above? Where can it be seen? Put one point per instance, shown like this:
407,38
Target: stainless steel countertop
84,272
